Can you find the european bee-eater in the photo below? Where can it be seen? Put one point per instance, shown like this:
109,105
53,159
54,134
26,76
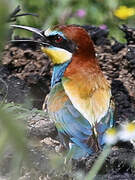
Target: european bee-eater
80,98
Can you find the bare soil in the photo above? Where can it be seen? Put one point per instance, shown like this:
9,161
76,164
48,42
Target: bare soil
25,75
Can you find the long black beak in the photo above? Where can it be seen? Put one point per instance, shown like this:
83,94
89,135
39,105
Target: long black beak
34,30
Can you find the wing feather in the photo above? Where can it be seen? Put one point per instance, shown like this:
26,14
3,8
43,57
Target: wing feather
93,105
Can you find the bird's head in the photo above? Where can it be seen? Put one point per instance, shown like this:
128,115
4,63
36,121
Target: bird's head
62,42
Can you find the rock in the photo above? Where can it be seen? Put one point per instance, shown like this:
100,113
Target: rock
40,126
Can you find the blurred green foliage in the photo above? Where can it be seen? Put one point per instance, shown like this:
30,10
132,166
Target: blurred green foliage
3,25
97,12
12,131
12,136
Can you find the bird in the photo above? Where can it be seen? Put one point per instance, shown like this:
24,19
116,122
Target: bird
80,100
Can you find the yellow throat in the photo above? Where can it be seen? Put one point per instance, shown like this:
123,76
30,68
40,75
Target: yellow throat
57,55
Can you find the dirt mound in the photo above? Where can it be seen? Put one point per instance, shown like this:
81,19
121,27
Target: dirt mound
26,72
26,62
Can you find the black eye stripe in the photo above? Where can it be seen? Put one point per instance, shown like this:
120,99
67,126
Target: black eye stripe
54,37
66,44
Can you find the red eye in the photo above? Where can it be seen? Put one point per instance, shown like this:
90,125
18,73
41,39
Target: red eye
58,39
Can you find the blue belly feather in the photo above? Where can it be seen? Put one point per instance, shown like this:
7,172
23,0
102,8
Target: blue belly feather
71,124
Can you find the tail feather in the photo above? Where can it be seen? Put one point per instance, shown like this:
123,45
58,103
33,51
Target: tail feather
77,152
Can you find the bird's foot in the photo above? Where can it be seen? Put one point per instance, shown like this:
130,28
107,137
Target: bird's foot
60,148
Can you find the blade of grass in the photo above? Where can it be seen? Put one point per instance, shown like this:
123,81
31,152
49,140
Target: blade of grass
97,165
3,141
